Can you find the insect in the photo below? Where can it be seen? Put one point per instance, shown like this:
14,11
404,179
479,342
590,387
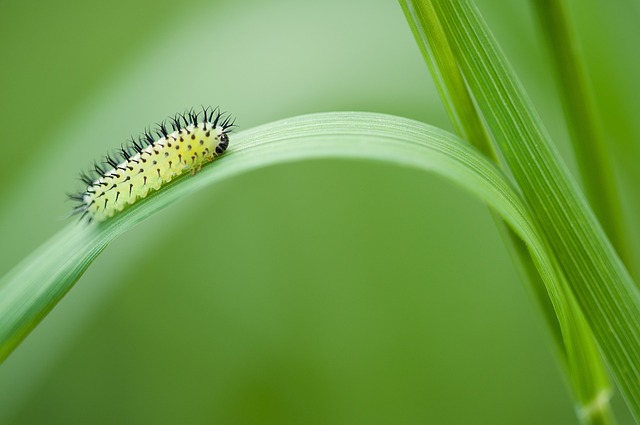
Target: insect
146,164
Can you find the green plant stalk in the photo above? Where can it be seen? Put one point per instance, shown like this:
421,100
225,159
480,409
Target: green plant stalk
583,120
457,100
434,45
602,286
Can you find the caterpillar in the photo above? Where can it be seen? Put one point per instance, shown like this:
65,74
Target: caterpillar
146,164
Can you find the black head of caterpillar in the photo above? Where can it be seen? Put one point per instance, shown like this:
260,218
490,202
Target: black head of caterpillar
181,144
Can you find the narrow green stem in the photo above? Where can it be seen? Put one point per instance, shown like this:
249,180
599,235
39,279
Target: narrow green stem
598,279
583,121
465,117
598,412
442,63
574,342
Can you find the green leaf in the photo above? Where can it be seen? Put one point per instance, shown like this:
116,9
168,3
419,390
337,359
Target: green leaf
575,344
33,288
602,286
583,121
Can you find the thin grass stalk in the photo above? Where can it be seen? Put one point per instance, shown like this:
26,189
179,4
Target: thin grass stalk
584,124
575,337
603,287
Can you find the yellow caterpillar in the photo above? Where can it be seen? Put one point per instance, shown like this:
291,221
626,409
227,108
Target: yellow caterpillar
147,164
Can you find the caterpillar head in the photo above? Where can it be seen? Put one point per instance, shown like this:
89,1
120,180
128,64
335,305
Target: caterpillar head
225,127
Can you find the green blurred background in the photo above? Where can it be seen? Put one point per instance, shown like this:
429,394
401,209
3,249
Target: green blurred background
323,292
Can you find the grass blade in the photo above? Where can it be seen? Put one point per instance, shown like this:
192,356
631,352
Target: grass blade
575,345
602,286
33,288
589,144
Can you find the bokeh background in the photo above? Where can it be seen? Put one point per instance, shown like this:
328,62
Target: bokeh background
322,292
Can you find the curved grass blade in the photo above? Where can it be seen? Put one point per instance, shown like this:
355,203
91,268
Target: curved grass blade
33,288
